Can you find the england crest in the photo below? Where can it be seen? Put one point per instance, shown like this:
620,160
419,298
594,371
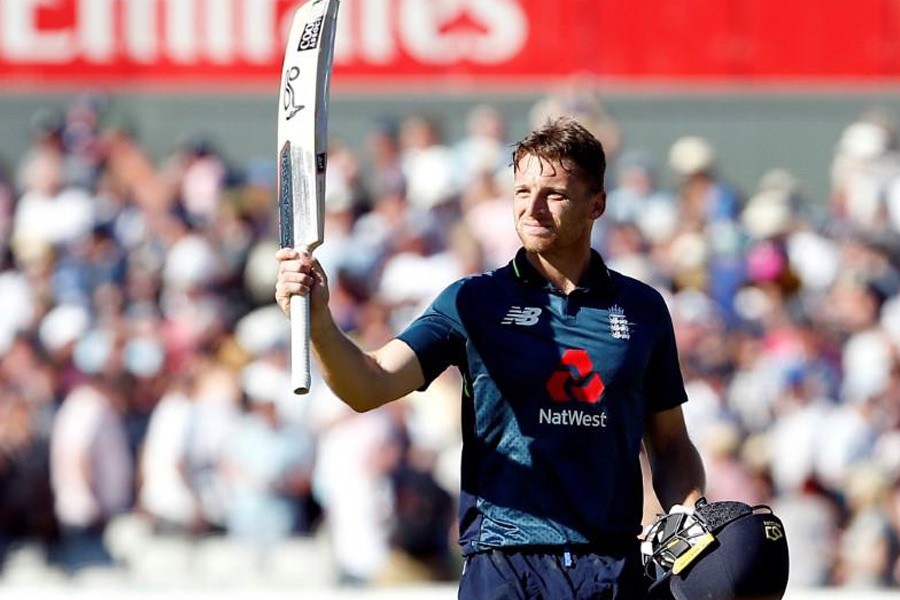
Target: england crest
618,323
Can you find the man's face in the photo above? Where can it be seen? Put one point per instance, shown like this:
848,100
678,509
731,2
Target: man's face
554,208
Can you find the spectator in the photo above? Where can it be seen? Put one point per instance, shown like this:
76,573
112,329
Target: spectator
90,463
350,482
637,197
484,150
26,499
215,394
383,165
166,493
708,211
869,547
268,464
580,98
865,165
427,164
485,212
729,478
812,524
421,515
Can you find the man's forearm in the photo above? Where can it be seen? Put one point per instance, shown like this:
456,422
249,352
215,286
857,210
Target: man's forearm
678,474
362,380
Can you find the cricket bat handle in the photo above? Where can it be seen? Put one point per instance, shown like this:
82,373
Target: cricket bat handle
300,377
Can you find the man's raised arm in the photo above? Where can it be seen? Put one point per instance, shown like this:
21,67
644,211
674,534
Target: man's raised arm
363,380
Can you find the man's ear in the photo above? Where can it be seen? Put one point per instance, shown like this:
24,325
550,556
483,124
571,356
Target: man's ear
599,204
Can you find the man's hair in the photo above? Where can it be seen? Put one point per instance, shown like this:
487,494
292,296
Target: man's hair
568,142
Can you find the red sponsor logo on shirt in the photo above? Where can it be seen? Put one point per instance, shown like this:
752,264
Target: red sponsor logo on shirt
575,379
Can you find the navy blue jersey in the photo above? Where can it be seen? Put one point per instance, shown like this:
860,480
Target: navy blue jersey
556,389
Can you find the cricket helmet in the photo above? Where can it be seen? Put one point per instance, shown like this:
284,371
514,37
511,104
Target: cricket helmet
722,551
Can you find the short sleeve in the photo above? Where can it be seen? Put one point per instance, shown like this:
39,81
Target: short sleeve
663,383
437,336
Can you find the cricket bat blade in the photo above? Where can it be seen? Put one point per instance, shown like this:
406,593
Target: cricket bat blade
303,152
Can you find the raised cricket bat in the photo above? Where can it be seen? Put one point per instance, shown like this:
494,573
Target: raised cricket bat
302,153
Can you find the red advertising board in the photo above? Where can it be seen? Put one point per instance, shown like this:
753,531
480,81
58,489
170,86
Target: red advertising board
198,44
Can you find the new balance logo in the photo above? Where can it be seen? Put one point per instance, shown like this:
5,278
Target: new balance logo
522,316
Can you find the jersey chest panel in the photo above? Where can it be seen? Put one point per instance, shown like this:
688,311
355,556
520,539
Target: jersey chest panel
547,365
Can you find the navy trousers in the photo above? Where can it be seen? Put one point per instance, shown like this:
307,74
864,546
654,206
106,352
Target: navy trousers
563,574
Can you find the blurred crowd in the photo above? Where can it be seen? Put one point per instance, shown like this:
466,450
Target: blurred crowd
144,365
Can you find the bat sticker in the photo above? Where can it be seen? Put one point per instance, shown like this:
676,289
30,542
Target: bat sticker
286,196
290,96
311,34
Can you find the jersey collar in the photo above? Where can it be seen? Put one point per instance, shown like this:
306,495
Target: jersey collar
597,280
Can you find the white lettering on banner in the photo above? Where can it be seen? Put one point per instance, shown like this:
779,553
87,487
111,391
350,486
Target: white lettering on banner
366,32
219,30
197,30
257,25
181,30
141,37
377,38
95,33
22,41
376,32
95,36
490,31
